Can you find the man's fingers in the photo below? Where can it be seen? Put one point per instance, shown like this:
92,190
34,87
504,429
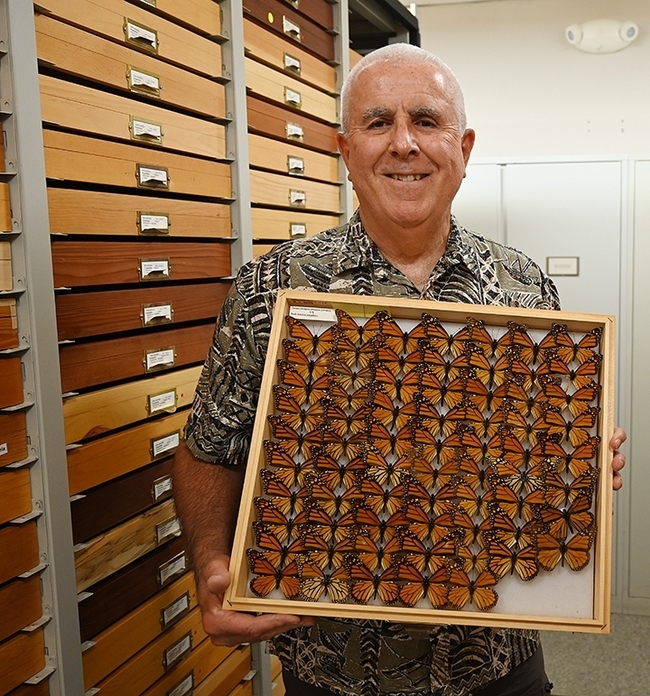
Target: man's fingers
236,627
218,583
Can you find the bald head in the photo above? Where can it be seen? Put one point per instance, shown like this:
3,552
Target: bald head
398,55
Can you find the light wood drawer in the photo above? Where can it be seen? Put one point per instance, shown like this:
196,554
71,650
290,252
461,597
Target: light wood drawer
79,52
6,277
203,16
285,55
107,553
96,313
19,546
93,111
127,636
354,58
15,494
134,26
81,263
291,159
281,88
288,224
111,214
11,376
226,677
21,657
5,208
8,323
275,189
81,158
243,689
89,364
13,437
103,410
21,605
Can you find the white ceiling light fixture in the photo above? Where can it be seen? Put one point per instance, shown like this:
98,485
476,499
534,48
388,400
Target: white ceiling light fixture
602,35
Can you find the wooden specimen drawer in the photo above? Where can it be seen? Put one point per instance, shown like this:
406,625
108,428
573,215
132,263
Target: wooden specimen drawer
11,376
15,494
6,279
243,689
114,502
113,598
271,84
111,551
285,21
81,158
227,675
78,264
89,364
19,545
13,437
21,605
284,224
5,208
103,410
133,26
127,636
114,455
285,55
151,663
319,11
100,113
275,189
40,689
203,16
87,55
8,323
21,657
354,58
283,124
95,313
291,159
112,214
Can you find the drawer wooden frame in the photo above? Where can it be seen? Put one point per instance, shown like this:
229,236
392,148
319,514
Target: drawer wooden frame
284,224
6,273
19,545
8,323
293,192
13,437
366,306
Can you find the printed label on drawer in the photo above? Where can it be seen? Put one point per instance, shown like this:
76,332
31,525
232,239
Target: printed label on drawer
162,402
291,29
162,487
291,63
4,449
156,314
313,314
296,165
174,611
140,35
172,568
145,131
165,445
167,530
294,132
297,198
152,177
297,229
292,97
143,82
183,688
177,651
154,269
153,223
159,359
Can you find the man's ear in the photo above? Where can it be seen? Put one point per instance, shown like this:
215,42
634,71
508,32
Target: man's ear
344,148
467,143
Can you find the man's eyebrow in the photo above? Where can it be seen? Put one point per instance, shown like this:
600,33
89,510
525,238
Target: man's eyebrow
376,112
425,112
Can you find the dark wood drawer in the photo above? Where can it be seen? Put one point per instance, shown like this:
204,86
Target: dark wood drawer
11,376
21,605
21,657
8,323
6,273
13,437
319,11
15,494
19,546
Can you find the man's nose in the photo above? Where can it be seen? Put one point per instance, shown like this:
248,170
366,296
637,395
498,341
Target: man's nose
404,141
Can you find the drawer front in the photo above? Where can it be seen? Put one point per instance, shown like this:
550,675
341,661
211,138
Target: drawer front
89,364
97,212
274,189
284,224
287,56
114,502
354,58
245,689
13,437
81,158
290,159
19,546
135,27
97,313
125,590
227,675
96,112
87,55
288,91
21,605
21,657
40,689
11,375
283,124
5,208
202,15
127,636
103,410
15,494
319,11
6,278
78,264
286,22
8,323
106,554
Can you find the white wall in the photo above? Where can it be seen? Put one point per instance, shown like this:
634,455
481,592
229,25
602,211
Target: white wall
529,92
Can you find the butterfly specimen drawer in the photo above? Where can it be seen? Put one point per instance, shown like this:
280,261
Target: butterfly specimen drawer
78,52
21,657
11,374
91,314
8,323
19,546
283,224
225,678
78,264
275,189
21,602
430,462
13,437
111,214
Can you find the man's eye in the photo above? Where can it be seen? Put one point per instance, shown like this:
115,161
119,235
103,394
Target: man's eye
379,123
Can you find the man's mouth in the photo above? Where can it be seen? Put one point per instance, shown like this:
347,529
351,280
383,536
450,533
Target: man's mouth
408,177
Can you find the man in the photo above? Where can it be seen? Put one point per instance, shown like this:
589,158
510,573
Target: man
406,146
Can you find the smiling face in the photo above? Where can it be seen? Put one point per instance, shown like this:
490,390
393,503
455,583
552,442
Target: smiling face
403,148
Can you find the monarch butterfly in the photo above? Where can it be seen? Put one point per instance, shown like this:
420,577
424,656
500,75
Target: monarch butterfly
274,520
301,389
292,411
382,471
366,585
348,378
315,582
577,430
521,480
270,577
286,500
346,400
470,532
458,467
479,591
275,551
357,333
333,473
378,499
368,552
580,377
467,387
577,462
367,521
466,412
427,357
432,558
390,443
559,492
513,505
512,390
294,443
310,369
423,525
463,437
472,562
336,419
577,401
398,388
518,337
504,560
502,528
352,354
576,518
325,554
474,333
505,445
432,502
383,409
386,356
286,468
308,342
436,335
333,503
415,586
559,341
419,468
575,551
339,447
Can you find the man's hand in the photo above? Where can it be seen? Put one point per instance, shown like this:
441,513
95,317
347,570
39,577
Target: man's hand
618,461
234,627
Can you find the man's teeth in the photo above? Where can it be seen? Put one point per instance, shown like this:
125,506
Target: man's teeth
408,177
